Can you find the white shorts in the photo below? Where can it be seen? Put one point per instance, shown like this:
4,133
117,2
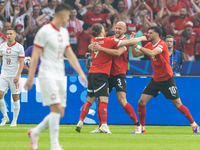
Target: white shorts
8,82
52,91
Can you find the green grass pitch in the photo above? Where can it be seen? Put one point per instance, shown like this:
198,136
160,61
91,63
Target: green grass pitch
155,138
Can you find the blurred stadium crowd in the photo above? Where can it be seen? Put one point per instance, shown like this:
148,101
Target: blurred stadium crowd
179,18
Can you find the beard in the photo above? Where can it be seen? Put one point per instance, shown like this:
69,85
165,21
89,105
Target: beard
118,35
151,39
182,16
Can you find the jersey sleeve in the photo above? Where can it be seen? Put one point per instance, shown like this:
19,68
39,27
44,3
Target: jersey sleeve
113,41
21,52
40,39
160,46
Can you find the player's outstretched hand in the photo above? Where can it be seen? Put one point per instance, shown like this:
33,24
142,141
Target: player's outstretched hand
29,83
144,38
96,47
83,79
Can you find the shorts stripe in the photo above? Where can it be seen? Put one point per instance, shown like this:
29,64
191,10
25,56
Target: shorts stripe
99,88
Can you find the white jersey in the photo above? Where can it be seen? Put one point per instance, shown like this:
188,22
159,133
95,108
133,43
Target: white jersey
11,55
53,41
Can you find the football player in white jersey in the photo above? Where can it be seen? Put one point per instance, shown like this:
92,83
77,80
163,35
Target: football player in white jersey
51,43
13,62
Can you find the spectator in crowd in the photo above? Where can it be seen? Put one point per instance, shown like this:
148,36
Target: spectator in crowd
189,45
20,35
189,4
74,27
181,41
34,27
142,7
124,14
84,39
175,55
6,26
49,11
197,43
97,15
178,26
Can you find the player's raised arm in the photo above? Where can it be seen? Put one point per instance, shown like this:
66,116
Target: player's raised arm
132,41
75,64
34,60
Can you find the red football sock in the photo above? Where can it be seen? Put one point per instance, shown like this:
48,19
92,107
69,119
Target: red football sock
142,114
103,112
98,115
184,110
85,110
130,112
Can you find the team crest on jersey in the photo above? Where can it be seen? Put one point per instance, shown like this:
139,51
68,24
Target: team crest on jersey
8,51
60,39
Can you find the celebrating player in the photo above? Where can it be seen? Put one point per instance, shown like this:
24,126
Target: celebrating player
52,42
162,79
117,77
13,62
98,74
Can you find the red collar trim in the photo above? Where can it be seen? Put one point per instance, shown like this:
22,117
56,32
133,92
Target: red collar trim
11,45
54,26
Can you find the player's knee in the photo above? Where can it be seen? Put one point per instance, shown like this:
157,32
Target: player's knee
141,102
122,101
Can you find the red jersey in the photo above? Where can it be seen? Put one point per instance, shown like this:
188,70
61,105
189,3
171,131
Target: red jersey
189,45
161,63
120,64
174,8
197,31
180,24
93,18
101,61
83,42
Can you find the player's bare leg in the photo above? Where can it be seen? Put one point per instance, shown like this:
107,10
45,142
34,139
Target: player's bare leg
121,96
3,109
84,111
16,109
142,111
184,110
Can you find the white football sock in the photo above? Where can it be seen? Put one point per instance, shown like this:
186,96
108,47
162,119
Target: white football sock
193,124
16,109
3,107
41,126
54,121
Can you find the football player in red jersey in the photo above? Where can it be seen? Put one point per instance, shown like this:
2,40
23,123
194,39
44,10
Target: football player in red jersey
98,74
117,77
162,79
